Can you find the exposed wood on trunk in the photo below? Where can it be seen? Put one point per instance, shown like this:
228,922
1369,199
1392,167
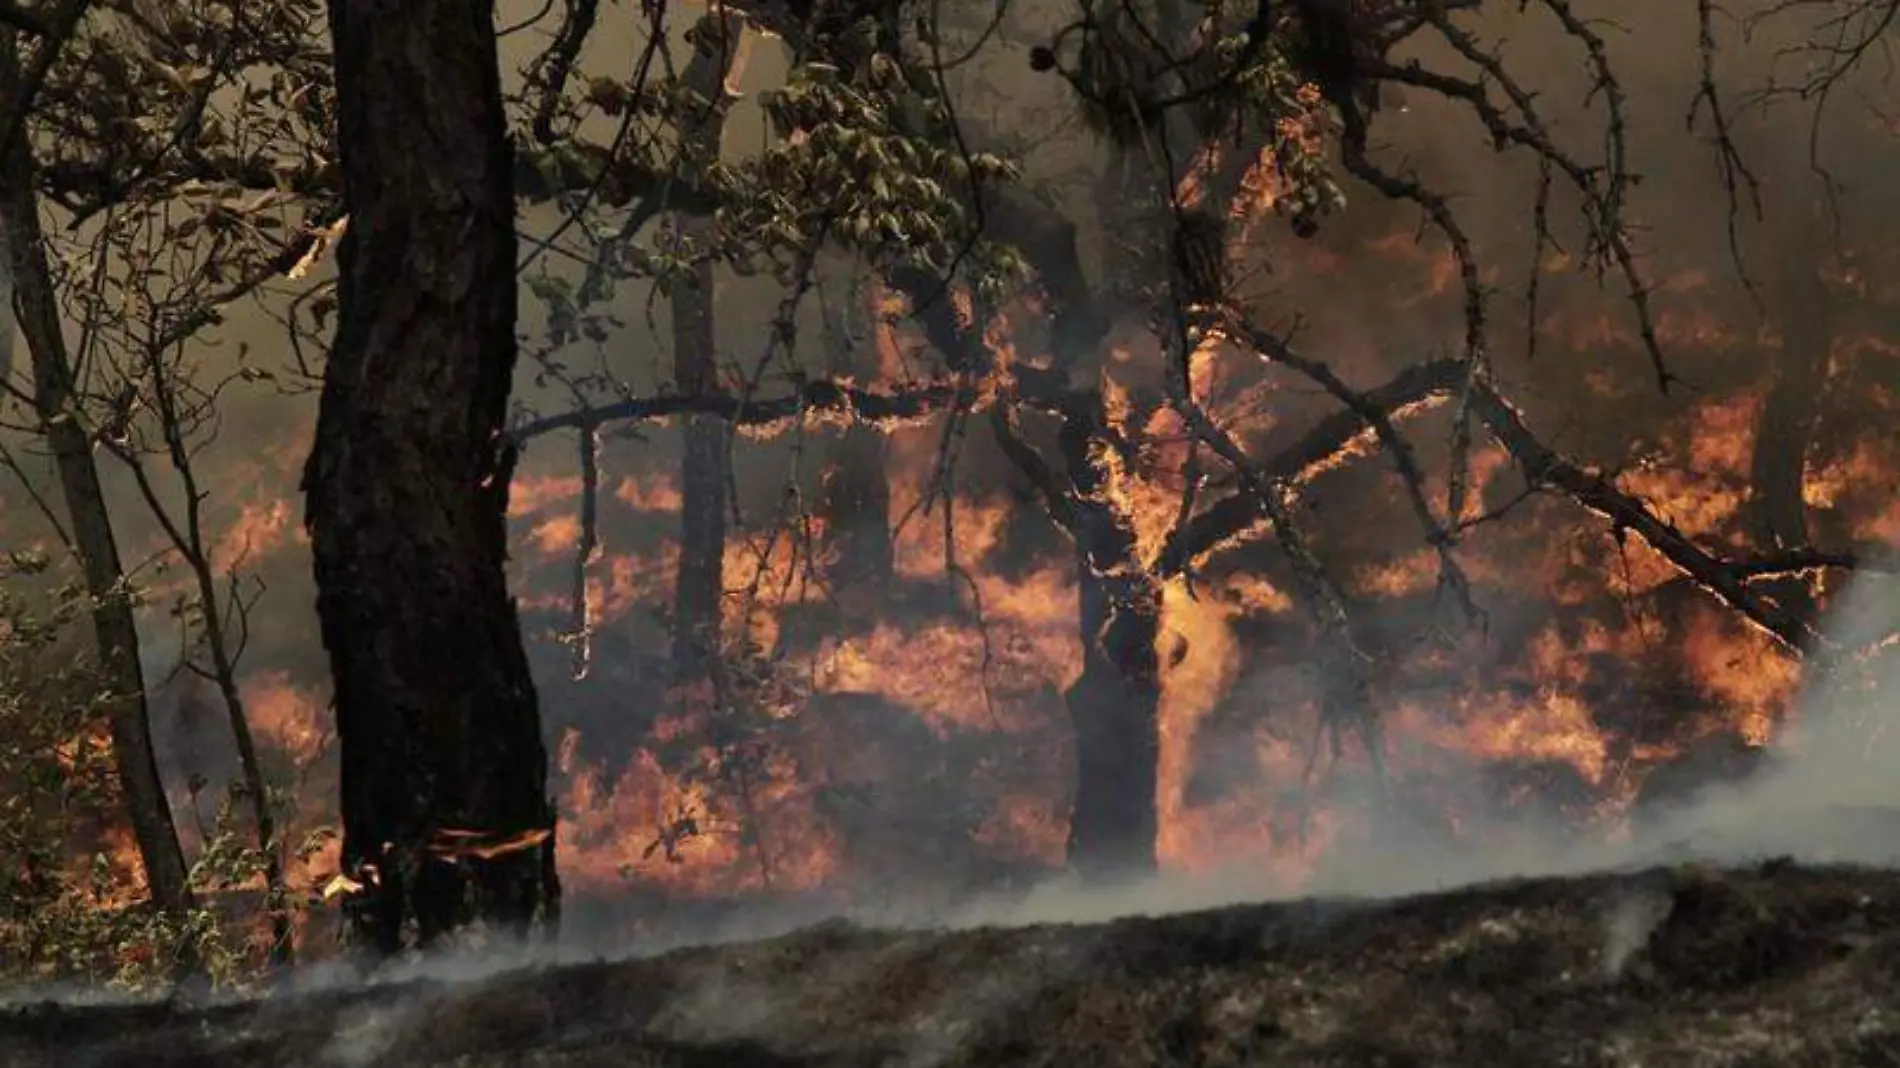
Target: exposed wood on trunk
36,309
407,486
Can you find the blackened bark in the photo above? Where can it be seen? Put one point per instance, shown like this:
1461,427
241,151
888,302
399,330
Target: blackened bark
444,772
701,579
857,506
36,310
857,497
1115,705
1778,512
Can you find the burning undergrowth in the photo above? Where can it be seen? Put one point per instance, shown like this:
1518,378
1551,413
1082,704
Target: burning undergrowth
905,615
891,732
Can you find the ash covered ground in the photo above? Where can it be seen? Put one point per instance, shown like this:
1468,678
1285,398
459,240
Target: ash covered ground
1772,964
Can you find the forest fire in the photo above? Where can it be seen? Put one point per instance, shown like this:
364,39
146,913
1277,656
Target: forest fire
942,703
1547,697
1205,522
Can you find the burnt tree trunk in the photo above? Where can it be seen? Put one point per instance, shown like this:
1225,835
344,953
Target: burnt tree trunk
445,810
1778,510
55,402
701,580
1115,705
857,494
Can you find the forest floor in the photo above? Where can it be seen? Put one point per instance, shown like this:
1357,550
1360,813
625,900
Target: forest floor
1775,964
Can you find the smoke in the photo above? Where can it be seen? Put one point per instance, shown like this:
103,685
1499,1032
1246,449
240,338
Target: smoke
1630,923
1828,788
1818,798
1823,794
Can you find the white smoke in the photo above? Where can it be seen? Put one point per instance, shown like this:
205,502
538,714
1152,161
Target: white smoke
1825,794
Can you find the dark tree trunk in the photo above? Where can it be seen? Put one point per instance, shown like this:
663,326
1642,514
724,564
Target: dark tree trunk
444,773
701,579
857,497
1778,512
1115,705
36,308
857,505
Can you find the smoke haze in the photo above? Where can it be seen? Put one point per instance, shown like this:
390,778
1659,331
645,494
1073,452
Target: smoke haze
900,732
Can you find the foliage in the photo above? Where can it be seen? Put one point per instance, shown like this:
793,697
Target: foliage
854,160
70,905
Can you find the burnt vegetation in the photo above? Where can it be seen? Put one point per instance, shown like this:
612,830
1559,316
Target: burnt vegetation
843,456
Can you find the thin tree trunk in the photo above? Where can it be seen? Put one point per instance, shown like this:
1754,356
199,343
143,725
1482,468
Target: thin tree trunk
1778,512
36,309
446,816
1115,706
701,578
189,540
857,497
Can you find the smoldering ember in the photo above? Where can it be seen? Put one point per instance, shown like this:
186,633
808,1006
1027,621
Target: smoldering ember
826,532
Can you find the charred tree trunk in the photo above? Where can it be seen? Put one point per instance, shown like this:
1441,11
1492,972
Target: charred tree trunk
857,497
55,401
701,579
1778,510
1115,705
444,773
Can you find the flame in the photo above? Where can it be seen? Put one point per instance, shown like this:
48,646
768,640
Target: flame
260,528
289,719
1190,685
954,682
455,844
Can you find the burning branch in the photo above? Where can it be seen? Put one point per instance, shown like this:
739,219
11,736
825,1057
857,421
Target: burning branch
1801,562
1726,579
821,400
581,624
1323,447
1344,664
1441,535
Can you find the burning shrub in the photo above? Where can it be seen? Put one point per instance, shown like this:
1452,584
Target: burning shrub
64,888
71,886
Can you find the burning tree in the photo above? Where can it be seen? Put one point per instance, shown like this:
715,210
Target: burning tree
1210,122
1100,503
